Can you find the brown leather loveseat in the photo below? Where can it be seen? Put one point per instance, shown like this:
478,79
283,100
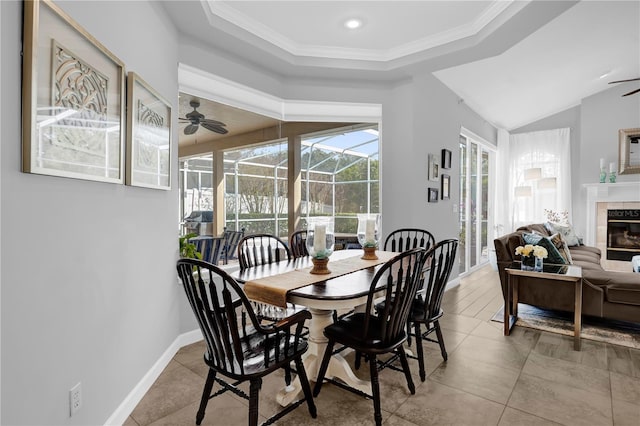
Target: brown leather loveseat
605,294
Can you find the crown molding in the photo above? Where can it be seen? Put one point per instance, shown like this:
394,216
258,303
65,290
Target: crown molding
219,9
210,86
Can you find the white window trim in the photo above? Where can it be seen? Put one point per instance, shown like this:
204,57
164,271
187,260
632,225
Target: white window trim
492,149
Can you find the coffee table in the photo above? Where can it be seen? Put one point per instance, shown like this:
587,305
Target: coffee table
562,274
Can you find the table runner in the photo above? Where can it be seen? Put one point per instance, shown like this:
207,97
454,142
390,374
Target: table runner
273,290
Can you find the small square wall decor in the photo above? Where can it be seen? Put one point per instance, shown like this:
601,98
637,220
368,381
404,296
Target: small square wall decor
445,187
446,159
433,168
433,195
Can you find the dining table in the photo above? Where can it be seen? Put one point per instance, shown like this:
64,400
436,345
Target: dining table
321,295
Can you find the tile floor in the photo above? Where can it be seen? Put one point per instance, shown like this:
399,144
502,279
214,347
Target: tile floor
528,378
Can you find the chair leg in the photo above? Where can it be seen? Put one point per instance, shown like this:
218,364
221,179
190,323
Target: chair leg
254,390
405,368
436,323
306,388
408,333
287,374
358,360
323,367
419,350
206,393
375,389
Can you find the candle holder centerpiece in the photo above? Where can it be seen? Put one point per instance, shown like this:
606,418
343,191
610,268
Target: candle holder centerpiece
612,172
368,234
603,171
320,243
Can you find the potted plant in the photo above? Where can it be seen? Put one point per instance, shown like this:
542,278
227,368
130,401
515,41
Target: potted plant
187,248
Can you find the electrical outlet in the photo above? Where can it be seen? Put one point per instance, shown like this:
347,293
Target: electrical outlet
75,399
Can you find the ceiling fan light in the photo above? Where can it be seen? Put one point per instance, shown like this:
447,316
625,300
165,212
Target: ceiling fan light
605,74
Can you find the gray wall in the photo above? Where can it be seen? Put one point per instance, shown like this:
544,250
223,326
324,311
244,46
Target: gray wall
603,114
89,287
594,134
88,275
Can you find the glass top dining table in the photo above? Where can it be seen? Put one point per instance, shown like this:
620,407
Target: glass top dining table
348,291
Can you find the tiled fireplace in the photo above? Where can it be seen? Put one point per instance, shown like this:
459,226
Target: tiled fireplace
601,199
623,234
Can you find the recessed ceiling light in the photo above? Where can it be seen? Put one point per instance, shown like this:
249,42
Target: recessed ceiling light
353,23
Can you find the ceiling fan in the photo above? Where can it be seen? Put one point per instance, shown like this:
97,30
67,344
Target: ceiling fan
196,119
625,81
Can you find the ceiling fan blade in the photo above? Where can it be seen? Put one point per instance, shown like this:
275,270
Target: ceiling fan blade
190,129
214,128
624,81
212,122
631,93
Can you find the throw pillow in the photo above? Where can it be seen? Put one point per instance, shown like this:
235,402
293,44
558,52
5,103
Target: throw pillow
567,232
554,255
562,247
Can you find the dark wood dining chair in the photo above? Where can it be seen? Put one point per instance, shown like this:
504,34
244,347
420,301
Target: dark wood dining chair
239,347
298,244
407,238
262,249
426,309
376,332
231,241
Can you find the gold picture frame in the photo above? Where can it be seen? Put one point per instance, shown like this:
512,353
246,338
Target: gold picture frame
148,136
629,151
73,99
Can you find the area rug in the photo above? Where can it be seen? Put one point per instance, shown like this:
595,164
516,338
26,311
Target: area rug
614,332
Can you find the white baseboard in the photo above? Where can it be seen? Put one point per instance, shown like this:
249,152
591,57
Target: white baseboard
139,391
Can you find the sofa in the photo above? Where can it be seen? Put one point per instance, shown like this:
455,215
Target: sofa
605,294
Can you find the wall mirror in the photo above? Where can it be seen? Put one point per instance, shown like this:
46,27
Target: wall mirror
629,151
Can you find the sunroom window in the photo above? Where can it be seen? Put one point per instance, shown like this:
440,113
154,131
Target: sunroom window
339,178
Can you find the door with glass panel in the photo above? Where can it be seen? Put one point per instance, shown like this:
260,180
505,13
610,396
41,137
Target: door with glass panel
475,226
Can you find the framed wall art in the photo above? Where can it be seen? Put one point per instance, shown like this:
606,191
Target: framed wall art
72,99
629,151
445,187
446,159
433,195
148,136
432,167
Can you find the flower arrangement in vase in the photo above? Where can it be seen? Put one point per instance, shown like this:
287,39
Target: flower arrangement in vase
531,257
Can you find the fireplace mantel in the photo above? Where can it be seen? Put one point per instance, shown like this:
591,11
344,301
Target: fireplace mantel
606,193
